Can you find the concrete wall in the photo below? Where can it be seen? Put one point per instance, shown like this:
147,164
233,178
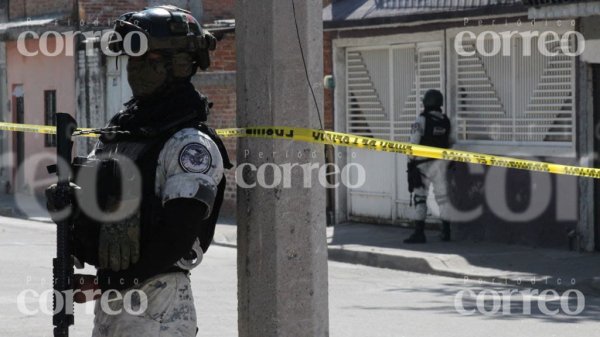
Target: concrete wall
217,10
21,9
36,74
105,11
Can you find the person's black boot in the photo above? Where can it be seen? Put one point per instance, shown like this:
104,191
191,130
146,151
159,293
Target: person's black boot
418,236
445,235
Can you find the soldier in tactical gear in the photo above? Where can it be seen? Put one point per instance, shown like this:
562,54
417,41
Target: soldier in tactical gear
432,128
161,169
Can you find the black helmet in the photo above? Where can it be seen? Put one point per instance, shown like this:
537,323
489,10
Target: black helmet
433,99
167,29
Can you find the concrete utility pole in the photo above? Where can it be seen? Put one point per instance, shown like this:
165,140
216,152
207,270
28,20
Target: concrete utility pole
282,250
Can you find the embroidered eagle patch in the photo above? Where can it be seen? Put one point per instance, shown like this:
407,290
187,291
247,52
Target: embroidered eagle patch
415,128
195,158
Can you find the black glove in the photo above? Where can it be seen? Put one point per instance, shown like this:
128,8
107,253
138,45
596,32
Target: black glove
59,202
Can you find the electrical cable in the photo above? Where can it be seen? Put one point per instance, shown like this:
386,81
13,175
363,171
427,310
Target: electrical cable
305,67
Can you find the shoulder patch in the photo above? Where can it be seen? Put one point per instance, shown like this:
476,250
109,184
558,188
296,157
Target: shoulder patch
415,127
195,158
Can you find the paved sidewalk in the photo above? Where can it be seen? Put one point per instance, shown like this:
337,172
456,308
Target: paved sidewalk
382,246
24,206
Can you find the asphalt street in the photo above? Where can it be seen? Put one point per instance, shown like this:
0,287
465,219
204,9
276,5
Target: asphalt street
364,301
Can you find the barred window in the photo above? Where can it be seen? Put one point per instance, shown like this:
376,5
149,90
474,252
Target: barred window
515,99
385,86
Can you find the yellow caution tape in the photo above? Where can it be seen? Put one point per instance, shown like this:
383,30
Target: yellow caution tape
344,139
367,143
36,128
28,128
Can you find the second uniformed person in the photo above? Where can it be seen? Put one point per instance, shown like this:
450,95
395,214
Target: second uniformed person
432,128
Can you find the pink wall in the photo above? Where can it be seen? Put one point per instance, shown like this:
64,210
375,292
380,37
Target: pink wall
36,74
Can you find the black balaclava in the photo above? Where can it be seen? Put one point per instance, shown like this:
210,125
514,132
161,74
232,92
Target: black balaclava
148,77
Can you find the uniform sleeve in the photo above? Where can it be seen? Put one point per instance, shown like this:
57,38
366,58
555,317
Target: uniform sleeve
417,130
190,166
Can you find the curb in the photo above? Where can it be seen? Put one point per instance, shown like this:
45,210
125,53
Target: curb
224,244
423,266
590,287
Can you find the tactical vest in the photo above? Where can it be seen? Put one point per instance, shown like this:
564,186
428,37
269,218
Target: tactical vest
437,131
144,152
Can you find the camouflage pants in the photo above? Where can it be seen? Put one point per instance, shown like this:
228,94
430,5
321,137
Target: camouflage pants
434,173
170,310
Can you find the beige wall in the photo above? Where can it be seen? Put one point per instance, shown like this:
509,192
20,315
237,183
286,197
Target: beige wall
36,74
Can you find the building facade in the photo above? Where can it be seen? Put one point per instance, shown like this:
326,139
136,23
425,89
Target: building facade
513,87
70,74
521,101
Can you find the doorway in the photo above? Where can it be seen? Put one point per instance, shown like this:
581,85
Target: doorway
19,137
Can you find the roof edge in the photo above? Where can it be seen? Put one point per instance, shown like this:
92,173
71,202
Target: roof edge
362,23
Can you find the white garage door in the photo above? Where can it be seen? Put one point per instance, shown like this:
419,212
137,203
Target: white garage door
384,87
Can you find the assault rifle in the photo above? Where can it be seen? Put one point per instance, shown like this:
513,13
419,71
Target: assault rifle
63,263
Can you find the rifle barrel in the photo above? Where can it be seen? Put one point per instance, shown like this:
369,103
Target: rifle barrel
62,264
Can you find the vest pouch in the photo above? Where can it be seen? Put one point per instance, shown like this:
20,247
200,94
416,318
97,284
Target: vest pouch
85,228
109,184
437,131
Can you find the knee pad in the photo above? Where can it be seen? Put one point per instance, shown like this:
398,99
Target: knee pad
419,199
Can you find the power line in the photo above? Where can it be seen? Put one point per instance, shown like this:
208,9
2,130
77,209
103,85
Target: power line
305,67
